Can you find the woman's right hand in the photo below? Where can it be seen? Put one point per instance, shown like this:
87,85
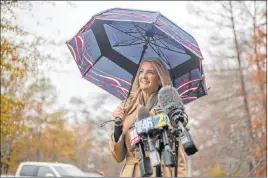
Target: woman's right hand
119,113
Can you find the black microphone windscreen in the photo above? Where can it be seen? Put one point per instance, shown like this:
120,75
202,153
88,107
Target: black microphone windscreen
169,97
143,113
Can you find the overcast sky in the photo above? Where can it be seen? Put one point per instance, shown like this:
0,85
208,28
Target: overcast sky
61,22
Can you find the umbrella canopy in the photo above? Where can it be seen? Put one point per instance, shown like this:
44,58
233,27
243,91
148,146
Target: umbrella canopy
109,48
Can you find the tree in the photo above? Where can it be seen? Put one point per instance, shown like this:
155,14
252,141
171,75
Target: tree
21,60
229,101
53,143
257,61
13,75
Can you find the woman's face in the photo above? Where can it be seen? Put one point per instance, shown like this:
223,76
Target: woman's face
148,78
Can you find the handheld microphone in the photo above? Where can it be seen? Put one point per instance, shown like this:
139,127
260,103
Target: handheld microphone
169,156
145,162
154,155
171,103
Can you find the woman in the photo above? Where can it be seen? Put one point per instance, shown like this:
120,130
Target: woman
151,76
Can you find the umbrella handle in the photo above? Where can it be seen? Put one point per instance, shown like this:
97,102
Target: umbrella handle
105,122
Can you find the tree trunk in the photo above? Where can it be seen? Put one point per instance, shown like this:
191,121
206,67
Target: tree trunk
246,106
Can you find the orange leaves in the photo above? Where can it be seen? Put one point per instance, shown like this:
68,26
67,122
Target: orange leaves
216,171
13,66
261,34
261,172
258,77
252,98
259,124
251,59
258,150
260,37
259,154
222,127
257,58
11,111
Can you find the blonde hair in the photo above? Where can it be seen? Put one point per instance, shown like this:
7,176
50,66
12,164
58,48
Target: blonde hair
163,75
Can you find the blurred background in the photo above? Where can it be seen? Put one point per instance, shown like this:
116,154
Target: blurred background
50,114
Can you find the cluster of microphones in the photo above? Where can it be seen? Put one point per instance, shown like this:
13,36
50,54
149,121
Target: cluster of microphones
158,133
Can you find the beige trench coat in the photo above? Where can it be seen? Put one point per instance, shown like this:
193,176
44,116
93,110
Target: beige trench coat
121,150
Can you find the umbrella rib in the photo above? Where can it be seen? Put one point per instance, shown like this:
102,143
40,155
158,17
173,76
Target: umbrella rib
166,59
161,41
172,75
176,46
139,31
128,44
155,50
166,45
159,54
125,32
131,32
168,48
159,38
141,28
125,42
160,50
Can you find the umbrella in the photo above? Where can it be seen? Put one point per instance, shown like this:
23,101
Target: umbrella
110,46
